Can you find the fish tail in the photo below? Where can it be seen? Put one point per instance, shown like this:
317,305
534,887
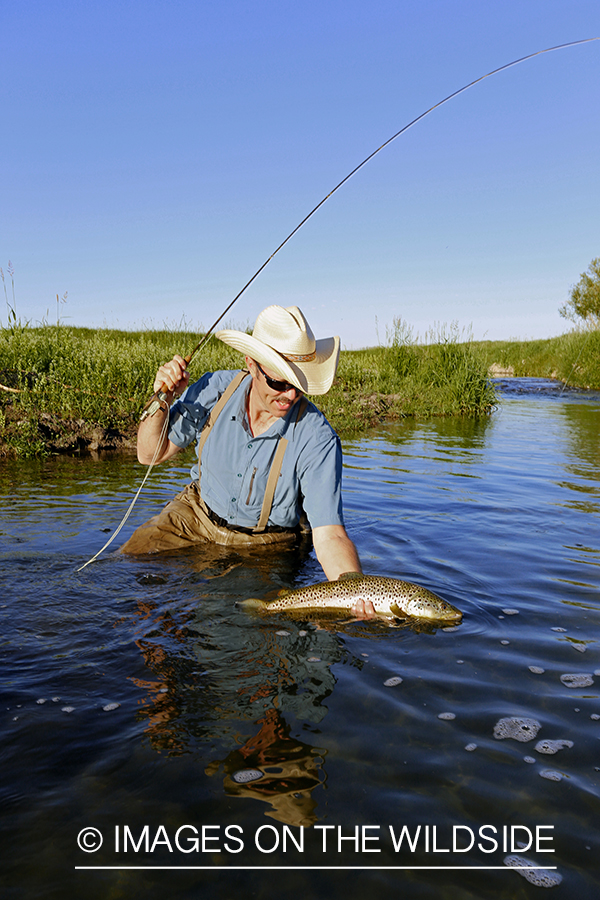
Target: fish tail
252,603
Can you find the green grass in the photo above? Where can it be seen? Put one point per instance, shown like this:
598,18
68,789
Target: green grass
82,389
573,358
79,388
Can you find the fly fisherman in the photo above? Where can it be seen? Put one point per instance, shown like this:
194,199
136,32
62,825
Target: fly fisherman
268,458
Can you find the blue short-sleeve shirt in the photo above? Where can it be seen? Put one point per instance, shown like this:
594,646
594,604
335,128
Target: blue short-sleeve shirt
236,465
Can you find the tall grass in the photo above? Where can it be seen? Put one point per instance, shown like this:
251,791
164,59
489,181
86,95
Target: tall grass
74,380
573,358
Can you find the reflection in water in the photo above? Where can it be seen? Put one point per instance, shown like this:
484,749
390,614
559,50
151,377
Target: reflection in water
289,771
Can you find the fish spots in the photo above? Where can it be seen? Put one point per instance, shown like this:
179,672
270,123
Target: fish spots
516,728
576,680
545,878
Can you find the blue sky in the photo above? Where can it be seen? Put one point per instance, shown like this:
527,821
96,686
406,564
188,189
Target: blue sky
154,154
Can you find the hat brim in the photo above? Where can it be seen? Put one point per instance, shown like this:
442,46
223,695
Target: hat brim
312,377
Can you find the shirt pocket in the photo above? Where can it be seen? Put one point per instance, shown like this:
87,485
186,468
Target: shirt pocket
251,485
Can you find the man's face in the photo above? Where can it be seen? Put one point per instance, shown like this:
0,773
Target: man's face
270,399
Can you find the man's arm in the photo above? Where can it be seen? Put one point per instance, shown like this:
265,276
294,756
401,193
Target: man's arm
335,551
173,375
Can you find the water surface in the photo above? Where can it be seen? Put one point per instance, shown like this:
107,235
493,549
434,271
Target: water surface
135,693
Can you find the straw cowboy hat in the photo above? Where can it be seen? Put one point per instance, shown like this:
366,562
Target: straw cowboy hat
282,341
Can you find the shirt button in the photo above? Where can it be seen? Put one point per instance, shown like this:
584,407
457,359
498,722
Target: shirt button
233,499
239,474
249,446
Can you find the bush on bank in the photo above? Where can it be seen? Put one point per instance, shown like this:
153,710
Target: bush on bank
68,389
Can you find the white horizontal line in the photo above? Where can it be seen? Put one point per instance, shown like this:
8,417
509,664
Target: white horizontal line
326,868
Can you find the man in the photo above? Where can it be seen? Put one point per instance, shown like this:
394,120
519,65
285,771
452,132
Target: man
267,456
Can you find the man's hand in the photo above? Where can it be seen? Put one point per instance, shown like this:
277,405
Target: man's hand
364,609
173,376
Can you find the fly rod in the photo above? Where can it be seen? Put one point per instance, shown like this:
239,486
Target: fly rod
159,398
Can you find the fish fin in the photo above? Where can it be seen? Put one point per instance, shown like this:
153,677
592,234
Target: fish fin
283,592
400,614
347,576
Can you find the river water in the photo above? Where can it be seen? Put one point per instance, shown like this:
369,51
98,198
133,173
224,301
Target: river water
138,700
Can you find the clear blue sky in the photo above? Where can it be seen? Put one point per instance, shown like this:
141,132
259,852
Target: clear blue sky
155,152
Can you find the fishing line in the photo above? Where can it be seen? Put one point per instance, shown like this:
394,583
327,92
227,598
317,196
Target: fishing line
159,396
134,501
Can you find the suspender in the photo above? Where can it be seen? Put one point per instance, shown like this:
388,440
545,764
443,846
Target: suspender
275,469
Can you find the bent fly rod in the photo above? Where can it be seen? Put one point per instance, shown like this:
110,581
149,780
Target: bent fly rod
159,398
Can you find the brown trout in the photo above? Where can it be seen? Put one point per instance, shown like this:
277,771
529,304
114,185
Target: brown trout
390,597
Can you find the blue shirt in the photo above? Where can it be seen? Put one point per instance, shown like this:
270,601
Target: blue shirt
235,464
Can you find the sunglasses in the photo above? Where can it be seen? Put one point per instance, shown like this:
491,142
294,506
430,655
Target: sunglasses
280,386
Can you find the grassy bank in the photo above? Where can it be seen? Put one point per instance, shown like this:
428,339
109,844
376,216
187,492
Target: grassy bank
68,389
573,358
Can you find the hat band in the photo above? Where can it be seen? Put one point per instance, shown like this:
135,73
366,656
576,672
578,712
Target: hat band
300,357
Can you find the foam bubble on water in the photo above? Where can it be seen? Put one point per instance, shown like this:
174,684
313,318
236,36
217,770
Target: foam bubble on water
510,612
68,709
313,659
577,680
110,706
517,728
561,630
56,699
244,776
471,747
529,759
303,633
551,774
282,633
392,682
539,877
40,701
551,747
596,671
537,670
450,628
595,716
581,647
447,716
505,642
